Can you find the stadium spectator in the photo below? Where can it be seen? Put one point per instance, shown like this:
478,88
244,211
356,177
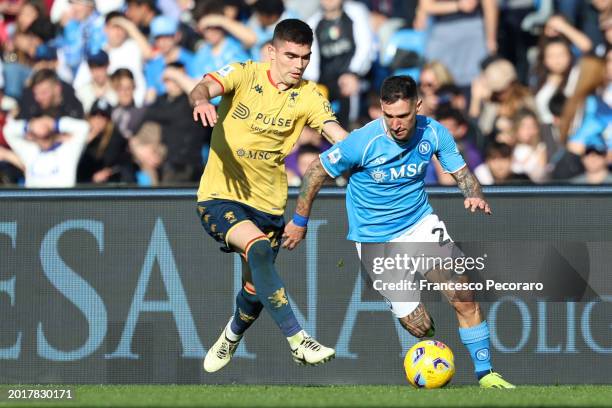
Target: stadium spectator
342,54
105,156
141,13
529,155
552,74
48,95
31,30
212,15
457,124
11,167
303,9
433,76
166,37
497,168
83,33
605,24
595,167
183,138
100,85
498,95
591,76
463,32
51,153
219,48
557,26
550,132
596,94
123,51
388,16
583,15
513,39
266,14
126,115
149,153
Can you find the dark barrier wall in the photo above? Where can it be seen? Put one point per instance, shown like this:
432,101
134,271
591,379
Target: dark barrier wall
125,287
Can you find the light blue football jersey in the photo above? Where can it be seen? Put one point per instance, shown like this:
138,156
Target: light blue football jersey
386,191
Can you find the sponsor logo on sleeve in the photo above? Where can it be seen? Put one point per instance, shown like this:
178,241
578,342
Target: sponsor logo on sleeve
334,156
225,71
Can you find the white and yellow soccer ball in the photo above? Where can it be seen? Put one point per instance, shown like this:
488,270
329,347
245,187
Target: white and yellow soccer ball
429,364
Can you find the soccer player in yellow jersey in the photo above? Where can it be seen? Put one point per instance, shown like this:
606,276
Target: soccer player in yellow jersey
243,190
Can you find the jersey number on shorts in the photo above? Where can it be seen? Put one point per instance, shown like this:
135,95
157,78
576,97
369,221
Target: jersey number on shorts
441,239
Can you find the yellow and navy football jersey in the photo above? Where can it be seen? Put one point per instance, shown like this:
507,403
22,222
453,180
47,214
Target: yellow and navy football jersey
257,127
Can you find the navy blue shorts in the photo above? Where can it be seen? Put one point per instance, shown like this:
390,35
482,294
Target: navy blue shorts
218,217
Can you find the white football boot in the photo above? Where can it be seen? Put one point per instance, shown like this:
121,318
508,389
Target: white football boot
220,353
311,352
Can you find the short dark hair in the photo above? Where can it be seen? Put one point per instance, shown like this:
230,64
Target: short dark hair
293,30
556,104
122,73
149,3
269,7
446,112
398,87
496,150
111,15
42,28
206,8
44,75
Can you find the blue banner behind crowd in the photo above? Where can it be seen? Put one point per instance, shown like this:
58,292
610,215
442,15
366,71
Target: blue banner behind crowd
125,287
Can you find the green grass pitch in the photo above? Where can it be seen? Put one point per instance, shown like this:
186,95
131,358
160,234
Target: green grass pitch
378,396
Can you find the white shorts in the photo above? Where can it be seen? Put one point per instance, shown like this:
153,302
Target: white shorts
429,229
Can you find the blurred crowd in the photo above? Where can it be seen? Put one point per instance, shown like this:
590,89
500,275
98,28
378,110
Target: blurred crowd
97,91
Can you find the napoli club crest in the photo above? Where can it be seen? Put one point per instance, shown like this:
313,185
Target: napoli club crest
424,148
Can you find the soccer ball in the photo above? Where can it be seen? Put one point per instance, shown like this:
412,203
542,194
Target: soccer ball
429,364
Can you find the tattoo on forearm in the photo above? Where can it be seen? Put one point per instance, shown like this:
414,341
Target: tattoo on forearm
467,183
311,184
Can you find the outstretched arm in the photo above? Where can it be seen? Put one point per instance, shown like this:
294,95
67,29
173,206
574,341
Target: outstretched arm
311,184
470,187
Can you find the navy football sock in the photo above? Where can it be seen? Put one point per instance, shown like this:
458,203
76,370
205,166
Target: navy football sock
270,288
247,311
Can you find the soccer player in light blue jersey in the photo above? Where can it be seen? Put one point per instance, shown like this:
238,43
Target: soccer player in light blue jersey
386,202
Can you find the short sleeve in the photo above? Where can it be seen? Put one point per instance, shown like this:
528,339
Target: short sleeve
447,152
342,156
230,76
320,111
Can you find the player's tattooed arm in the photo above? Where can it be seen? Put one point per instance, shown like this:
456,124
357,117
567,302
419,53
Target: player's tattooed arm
312,182
470,187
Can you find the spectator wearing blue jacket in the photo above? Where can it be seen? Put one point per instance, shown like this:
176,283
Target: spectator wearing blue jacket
83,34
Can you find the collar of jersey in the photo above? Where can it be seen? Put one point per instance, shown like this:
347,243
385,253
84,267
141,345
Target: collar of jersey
52,148
269,75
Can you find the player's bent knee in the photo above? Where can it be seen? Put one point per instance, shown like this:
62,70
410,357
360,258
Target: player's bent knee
259,250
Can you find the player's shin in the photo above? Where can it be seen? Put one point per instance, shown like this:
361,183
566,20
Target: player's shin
248,308
270,288
476,340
